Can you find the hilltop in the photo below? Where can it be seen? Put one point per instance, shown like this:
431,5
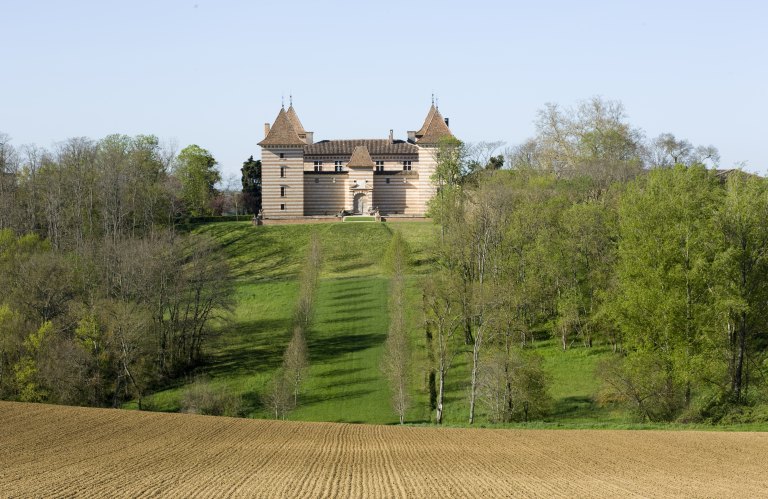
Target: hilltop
345,383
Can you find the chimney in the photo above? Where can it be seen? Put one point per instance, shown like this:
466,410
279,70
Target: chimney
412,135
391,135
266,129
446,122
310,138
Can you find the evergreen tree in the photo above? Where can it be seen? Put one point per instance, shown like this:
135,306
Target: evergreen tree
251,171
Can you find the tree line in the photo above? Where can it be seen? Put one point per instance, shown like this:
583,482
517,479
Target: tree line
282,393
104,298
590,234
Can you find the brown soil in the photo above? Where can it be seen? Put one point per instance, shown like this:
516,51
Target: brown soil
66,451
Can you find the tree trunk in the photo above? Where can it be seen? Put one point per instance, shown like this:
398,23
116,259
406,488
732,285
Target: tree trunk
473,387
468,339
738,372
440,394
432,390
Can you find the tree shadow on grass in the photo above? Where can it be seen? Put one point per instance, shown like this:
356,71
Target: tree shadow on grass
323,349
350,296
252,402
340,372
321,399
349,267
252,346
349,382
343,319
573,407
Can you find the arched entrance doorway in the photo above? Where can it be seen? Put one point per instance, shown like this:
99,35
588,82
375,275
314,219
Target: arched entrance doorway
360,203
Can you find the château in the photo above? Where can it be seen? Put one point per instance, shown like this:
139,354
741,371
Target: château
304,178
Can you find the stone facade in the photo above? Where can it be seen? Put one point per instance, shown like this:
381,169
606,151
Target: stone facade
303,178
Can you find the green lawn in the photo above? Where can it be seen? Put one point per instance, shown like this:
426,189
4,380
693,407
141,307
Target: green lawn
358,218
345,382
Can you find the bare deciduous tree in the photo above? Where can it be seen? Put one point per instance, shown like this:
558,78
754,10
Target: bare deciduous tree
397,354
277,396
296,361
443,318
296,356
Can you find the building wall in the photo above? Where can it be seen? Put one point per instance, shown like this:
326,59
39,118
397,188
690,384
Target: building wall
413,198
293,182
389,198
425,186
310,194
324,193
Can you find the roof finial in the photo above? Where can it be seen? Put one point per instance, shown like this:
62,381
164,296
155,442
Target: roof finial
433,98
282,101
290,100
437,103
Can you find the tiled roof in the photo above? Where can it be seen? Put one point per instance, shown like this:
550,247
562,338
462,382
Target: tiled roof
430,115
282,133
360,158
436,130
294,119
346,147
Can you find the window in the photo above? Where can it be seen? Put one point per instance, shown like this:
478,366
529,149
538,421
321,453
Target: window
406,166
282,155
282,207
282,191
318,166
317,180
379,166
282,172
388,179
337,166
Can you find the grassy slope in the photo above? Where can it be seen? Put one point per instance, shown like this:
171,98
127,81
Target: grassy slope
344,383
346,343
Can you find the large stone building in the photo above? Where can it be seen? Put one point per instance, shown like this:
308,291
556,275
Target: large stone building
303,178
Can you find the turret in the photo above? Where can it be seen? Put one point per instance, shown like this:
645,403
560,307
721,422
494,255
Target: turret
282,173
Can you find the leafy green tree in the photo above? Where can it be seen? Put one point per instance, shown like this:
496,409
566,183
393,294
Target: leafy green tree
196,171
452,166
251,180
589,254
513,385
742,270
665,269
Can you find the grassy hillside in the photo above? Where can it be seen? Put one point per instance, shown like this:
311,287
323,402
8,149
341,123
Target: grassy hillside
345,382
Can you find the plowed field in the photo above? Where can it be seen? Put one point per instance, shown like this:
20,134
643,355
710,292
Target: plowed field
65,451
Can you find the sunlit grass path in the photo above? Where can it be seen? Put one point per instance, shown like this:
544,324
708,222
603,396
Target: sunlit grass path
345,348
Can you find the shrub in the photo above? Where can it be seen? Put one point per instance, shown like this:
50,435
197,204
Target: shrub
201,397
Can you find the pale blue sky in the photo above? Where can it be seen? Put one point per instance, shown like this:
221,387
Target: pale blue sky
211,73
